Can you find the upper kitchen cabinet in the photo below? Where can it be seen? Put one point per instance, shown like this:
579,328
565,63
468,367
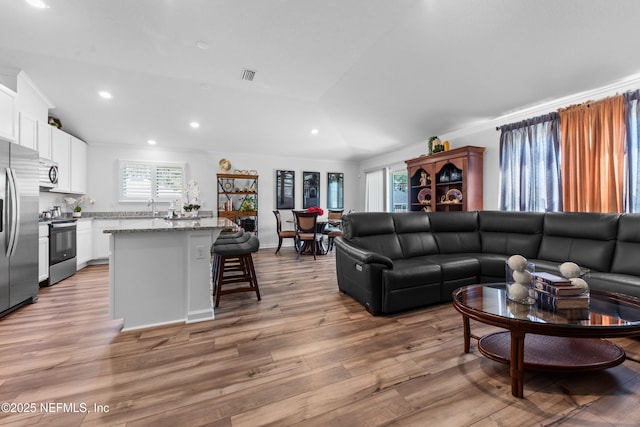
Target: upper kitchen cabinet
61,154
7,113
32,108
28,136
44,140
71,155
78,166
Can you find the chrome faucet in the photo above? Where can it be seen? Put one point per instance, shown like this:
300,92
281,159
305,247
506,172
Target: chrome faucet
152,203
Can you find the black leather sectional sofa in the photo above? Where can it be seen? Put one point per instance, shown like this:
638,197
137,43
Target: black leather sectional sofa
392,262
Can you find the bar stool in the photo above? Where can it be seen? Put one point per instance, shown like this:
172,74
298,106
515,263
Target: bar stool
233,263
224,238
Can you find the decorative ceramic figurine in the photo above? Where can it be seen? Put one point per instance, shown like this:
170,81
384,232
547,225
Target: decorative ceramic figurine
580,282
518,292
570,270
522,276
424,179
517,262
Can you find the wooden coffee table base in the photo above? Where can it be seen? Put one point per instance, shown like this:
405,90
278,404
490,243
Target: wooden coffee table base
549,353
534,338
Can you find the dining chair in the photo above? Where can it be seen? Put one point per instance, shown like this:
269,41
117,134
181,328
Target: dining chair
307,231
334,226
283,234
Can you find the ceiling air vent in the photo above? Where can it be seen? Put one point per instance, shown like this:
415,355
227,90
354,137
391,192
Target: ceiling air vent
248,75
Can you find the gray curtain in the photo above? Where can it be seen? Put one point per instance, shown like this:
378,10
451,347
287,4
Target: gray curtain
530,178
632,147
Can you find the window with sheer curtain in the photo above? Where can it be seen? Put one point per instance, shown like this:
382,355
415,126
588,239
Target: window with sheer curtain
530,178
375,190
632,153
585,158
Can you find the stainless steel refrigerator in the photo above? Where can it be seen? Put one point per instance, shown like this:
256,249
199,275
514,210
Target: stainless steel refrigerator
18,226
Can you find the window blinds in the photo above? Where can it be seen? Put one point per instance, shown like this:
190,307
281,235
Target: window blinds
141,181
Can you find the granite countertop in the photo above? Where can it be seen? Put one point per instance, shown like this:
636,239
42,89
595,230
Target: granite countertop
162,224
127,215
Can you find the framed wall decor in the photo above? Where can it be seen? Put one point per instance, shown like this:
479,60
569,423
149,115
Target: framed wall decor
310,189
335,190
285,189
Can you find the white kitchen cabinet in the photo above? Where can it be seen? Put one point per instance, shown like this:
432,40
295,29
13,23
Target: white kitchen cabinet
7,113
71,155
100,242
78,169
44,140
28,136
43,252
60,153
84,239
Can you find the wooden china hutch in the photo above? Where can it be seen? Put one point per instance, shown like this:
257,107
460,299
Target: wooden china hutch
447,181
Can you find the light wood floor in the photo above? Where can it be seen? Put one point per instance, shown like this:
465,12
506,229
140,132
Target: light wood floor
304,355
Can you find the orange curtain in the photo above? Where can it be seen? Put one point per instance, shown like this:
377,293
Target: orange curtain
592,147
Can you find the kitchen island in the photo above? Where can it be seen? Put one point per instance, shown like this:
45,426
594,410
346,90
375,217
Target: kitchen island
160,270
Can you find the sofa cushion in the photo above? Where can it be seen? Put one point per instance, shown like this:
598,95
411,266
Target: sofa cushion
455,266
511,233
626,258
407,273
492,267
588,239
361,224
411,283
457,270
372,231
614,282
455,232
414,234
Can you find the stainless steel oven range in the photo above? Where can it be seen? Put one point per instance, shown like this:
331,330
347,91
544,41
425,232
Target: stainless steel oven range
62,249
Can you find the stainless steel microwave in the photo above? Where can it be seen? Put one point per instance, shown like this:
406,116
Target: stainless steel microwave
48,173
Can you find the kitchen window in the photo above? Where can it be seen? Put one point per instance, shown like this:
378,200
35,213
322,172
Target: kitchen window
141,181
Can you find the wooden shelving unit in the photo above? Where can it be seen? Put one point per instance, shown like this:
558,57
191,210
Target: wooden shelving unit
446,181
235,192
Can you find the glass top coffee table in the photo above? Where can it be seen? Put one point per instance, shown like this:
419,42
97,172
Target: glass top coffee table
537,339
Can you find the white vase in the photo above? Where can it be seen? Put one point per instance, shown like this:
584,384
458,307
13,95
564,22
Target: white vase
76,214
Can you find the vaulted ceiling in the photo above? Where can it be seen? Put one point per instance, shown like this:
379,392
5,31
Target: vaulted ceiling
369,75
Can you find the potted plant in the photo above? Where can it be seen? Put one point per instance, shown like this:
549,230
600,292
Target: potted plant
193,204
247,205
192,208
76,204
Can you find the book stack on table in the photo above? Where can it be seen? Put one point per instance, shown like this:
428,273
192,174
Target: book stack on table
557,293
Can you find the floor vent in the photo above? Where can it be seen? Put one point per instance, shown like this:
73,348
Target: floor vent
248,75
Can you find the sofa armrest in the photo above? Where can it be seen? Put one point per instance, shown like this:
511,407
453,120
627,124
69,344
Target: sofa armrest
360,274
361,255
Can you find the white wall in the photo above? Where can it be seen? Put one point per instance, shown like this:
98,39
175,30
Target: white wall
203,166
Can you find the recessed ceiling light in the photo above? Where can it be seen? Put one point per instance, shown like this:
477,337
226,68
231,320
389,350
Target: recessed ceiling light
39,4
104,94
151,142
202,45
194,125
314,131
